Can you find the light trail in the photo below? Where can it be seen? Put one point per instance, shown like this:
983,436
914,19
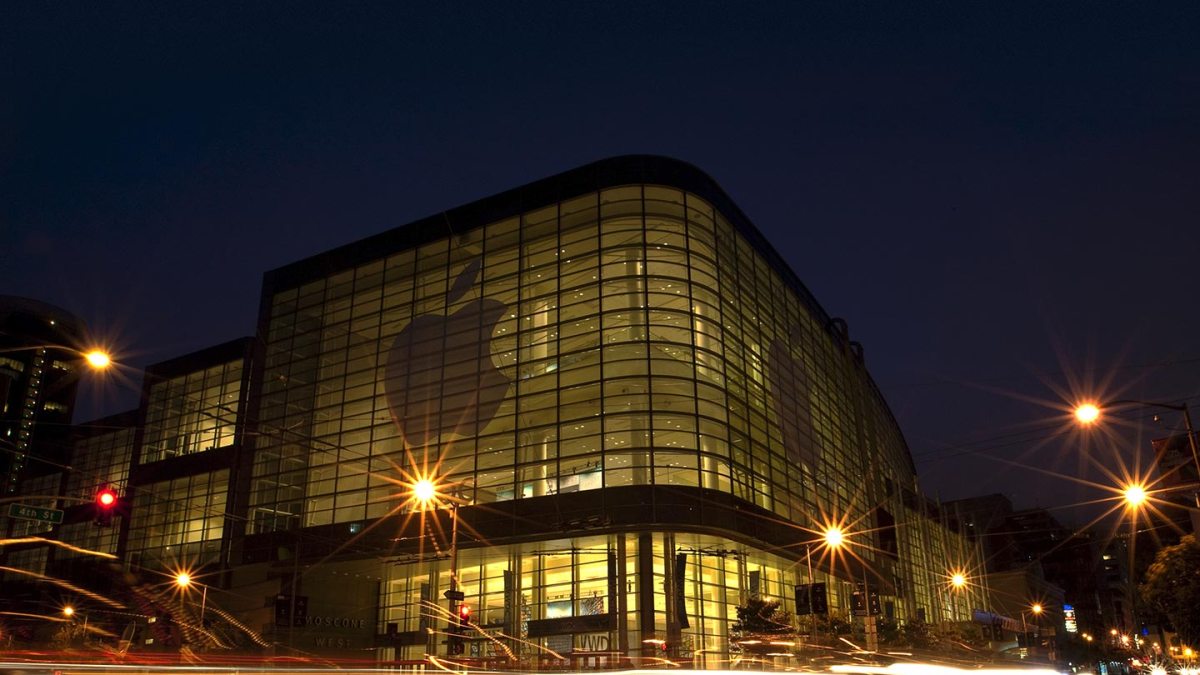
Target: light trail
45,617
69,586
60,544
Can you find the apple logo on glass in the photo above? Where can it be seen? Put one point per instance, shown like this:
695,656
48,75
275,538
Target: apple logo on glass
440,377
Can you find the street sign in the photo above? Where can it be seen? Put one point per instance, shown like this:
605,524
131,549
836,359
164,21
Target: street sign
455,595
27,512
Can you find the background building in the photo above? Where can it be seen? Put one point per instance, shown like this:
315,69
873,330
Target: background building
39,362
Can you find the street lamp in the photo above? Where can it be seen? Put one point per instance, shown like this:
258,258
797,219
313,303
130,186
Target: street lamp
184,582
834,537
957,579
425,494
69,612
1036,610
1134,495
1089,414
424,491
97,359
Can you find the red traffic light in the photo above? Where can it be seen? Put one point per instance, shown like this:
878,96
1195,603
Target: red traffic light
464,612
106,498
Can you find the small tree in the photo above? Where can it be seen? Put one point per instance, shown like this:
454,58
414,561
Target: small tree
917,634
762,617
1172,587
759,622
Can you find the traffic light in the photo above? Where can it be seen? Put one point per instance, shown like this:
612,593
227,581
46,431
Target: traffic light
454,644
106,503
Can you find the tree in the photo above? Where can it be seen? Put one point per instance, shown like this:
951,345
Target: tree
760,616
1172,587
917,634
758,623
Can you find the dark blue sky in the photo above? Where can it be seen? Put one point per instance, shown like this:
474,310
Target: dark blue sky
1000,199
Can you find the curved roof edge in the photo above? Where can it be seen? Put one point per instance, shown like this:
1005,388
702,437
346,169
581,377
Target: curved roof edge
15,304
599,175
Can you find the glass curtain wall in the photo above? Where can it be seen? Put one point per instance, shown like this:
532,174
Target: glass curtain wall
627,337
101,458
512,588
178,522
192,413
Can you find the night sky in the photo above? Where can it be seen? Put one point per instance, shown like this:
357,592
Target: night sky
1002,200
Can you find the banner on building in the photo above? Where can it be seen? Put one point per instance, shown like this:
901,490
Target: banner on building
680,585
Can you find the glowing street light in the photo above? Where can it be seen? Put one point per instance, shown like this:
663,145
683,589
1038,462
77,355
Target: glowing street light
958,580
1134,495
424,491
97,359
184,582
1088,413
834,538
69,612
1036,608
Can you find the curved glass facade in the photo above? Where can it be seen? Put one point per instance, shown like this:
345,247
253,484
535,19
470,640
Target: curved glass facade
627,336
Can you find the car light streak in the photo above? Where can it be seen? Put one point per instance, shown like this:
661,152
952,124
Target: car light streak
55,542
69,586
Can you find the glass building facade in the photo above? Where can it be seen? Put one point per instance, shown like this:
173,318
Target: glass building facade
192,412
625,337
641,334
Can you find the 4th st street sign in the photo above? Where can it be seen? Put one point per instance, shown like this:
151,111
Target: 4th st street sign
27,512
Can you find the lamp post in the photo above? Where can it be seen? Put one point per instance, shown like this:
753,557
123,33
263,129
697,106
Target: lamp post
1037,609
958,582
184,581
832,539
1090,413
1134,496
70,612
97,359
425,493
